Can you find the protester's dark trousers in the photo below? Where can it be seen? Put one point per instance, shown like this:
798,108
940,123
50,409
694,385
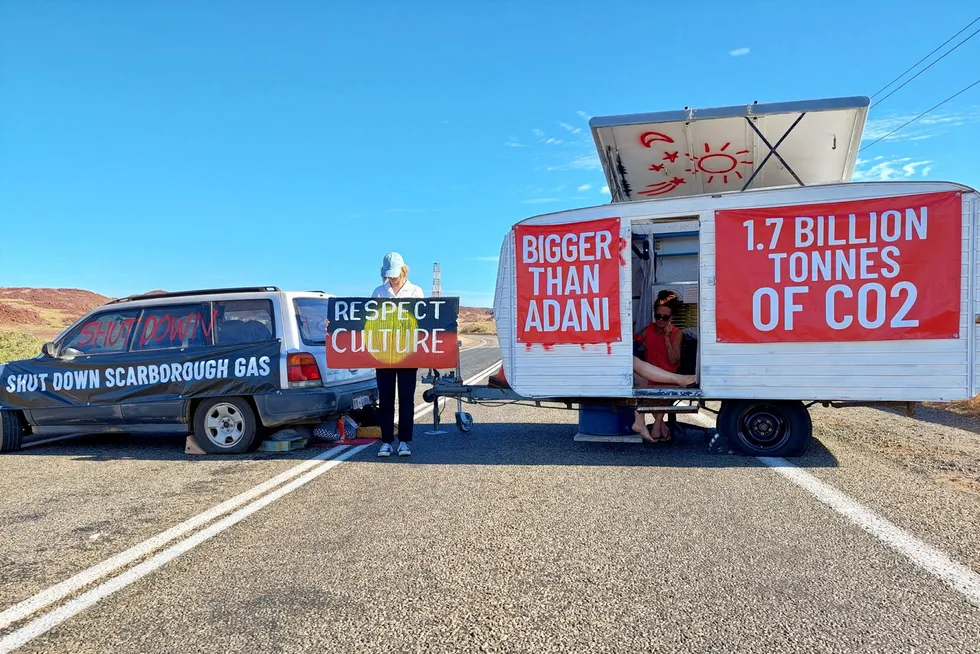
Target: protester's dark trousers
406,379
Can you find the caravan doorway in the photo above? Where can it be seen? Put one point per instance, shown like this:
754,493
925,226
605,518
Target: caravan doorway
666,258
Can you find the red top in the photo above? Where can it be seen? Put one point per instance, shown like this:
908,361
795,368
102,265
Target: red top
656,347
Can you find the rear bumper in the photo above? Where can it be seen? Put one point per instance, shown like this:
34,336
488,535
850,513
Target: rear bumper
304,405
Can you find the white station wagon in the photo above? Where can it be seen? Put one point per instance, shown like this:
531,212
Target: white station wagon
223,364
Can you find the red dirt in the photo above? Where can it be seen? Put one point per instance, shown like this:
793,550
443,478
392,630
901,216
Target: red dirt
72,301
18,315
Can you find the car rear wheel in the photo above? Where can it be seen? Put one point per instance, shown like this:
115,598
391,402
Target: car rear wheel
766,427
11,430
225,425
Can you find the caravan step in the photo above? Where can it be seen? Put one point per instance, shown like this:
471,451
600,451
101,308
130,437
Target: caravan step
593,438
684,408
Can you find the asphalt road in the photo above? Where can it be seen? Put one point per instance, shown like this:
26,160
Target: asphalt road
511,537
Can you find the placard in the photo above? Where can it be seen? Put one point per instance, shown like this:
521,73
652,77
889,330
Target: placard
867,270
568,282
392,332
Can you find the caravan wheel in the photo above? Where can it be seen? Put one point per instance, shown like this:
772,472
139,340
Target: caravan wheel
766,427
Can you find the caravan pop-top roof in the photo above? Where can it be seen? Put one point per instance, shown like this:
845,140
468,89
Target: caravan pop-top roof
696,151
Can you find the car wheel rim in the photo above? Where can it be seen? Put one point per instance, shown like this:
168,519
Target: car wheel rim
225,425
763,427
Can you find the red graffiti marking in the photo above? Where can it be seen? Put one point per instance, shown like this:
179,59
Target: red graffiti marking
622,250
657,167
609,348
548,347
718,163
648,138
671,156
111,332
157,329
661,188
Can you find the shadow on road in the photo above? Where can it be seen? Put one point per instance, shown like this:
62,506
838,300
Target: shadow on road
937,415
509,444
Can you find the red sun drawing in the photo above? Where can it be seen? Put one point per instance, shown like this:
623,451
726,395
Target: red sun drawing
718,163
647,139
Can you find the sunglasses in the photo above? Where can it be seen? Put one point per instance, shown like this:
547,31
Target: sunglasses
662,316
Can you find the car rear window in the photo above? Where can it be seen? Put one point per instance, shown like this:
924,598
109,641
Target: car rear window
311,316
243,321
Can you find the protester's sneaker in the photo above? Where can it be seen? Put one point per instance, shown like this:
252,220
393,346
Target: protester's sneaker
385,449
404,449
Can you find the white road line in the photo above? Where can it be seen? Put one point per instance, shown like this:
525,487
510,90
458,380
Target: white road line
420,409
65,588
89,598
959,577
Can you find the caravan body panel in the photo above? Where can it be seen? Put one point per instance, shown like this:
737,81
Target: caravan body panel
903,370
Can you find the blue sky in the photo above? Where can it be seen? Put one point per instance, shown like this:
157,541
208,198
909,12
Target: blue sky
185,144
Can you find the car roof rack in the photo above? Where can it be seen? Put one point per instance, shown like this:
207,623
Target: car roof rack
204,291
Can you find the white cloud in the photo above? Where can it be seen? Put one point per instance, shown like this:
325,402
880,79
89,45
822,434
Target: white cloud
924,128
583,115
513,142
585,187
537,132
552,141
883,170
573,130
739,52
583,162
540,200
605,189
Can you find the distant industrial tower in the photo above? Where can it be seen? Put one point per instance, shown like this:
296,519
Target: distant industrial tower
436,280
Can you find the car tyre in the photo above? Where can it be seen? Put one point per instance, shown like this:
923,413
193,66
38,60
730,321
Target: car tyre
766,427
225,425
11,430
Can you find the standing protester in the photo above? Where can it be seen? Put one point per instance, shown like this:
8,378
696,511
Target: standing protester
394,272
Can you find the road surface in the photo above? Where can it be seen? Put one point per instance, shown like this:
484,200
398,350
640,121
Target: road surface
511,537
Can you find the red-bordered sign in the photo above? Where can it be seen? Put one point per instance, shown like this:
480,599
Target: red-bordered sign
866,270
568,282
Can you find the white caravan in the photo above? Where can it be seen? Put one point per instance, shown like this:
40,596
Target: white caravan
797,285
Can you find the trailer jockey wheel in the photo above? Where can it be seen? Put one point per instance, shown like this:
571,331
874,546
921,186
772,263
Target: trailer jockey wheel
766,427
464,421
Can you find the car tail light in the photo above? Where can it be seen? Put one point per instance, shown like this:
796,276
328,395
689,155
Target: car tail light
303,370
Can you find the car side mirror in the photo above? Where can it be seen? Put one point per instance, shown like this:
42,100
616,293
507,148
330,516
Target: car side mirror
48,350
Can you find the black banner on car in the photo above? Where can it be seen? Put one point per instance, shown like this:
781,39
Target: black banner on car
136,376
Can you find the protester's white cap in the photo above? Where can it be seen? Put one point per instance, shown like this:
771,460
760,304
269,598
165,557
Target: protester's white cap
392,265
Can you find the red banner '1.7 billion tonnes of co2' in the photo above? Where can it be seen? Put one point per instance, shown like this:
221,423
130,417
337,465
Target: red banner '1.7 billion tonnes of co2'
864,270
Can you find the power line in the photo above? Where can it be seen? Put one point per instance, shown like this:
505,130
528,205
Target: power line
960,92
926,57
926,68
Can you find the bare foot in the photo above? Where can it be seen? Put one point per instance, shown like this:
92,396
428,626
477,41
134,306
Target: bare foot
689,380
640,427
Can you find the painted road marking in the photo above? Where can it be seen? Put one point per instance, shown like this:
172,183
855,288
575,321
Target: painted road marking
65,588
956,575
420,409
50,620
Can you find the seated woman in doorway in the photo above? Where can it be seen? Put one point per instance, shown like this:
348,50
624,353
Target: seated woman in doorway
662,356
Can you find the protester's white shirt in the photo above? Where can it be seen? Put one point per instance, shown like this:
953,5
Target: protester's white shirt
408,289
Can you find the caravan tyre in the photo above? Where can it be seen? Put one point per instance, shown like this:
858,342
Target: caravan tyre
766,427
11,430
225,425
